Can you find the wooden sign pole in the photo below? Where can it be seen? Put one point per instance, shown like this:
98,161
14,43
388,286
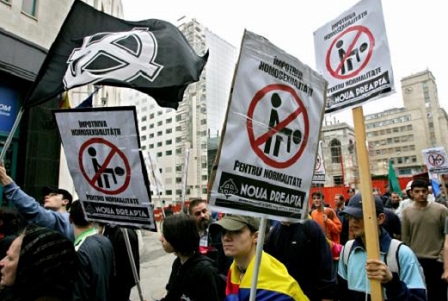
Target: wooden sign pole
368,203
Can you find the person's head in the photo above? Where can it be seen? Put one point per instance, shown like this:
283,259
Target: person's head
355,214
376,192
56,199
339,200
77,217
238,235
408,190
180,235
318,199
419,190
351,192
40,262
198,209
386,189
11,221
395,198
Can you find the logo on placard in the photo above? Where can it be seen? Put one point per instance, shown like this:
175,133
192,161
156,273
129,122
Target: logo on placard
228,188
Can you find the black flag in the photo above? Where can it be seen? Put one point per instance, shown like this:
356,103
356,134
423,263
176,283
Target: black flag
92,47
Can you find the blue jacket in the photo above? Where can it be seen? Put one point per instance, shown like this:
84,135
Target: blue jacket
353,284
33,212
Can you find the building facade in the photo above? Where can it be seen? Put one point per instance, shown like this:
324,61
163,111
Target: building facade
339,152
180,138
401,134
27,30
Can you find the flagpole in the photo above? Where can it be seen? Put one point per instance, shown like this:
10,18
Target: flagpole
11,133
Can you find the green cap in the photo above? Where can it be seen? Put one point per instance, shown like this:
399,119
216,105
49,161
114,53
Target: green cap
236,223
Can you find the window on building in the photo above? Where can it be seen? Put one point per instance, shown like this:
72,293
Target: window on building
151,126
143,138
400,160
151,116
169,142
338,180
169,131
159,123
335,148
143,128
144,118
178,180
159,113
151,135
144,147
179,168
169,120
159,154
204,165
178,151
151,146
29,7
178,128
168,192
159,133
178,117
178,139
159,144
168,152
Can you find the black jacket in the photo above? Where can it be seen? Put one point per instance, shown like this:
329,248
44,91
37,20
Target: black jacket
195,280
303,249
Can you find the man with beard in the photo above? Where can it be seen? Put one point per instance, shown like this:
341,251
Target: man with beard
209,245
394,201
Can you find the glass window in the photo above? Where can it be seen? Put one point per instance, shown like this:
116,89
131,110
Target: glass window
159,123
159,144
151,126
29,7
335,148
169,142
169,120
168,153
151,146
159,154
169,131
151,116
159,133
151,135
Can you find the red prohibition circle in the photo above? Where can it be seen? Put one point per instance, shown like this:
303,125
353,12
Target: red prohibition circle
114,150
435,161
253,141
360,29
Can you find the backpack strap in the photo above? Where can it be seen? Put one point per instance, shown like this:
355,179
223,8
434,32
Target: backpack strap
392,260
347,250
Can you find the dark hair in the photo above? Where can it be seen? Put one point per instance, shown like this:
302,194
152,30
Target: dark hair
47,267
318,194
194,203
181,232
419,183
12,221
77,215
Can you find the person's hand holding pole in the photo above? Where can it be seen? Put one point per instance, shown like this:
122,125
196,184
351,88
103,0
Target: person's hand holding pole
4,178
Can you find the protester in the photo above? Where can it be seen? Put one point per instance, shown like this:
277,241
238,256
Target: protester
393,201
423,230
123,279
407,201
405,284
351,192
340,204
302,247
169,211
41,265
326,218
193,276
11,222
239,237
53,215
96,256
386,195
209,245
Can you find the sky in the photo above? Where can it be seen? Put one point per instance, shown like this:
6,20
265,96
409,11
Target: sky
416,32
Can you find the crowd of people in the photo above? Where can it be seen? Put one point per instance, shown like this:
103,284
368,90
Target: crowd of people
51,252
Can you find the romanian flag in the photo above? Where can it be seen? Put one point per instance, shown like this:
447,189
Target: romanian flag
64,102
274,282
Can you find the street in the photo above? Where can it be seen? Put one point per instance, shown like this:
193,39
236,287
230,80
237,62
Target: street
155,268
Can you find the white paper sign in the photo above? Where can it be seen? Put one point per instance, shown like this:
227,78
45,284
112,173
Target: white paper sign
436,160
271,134
102,150
319,169
352,53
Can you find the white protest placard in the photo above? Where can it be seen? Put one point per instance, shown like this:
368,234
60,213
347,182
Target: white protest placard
319,168
102,148
435,160
270,139
352,53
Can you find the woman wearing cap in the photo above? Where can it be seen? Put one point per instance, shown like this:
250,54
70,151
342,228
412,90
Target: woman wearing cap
193,276
41,264
239,236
